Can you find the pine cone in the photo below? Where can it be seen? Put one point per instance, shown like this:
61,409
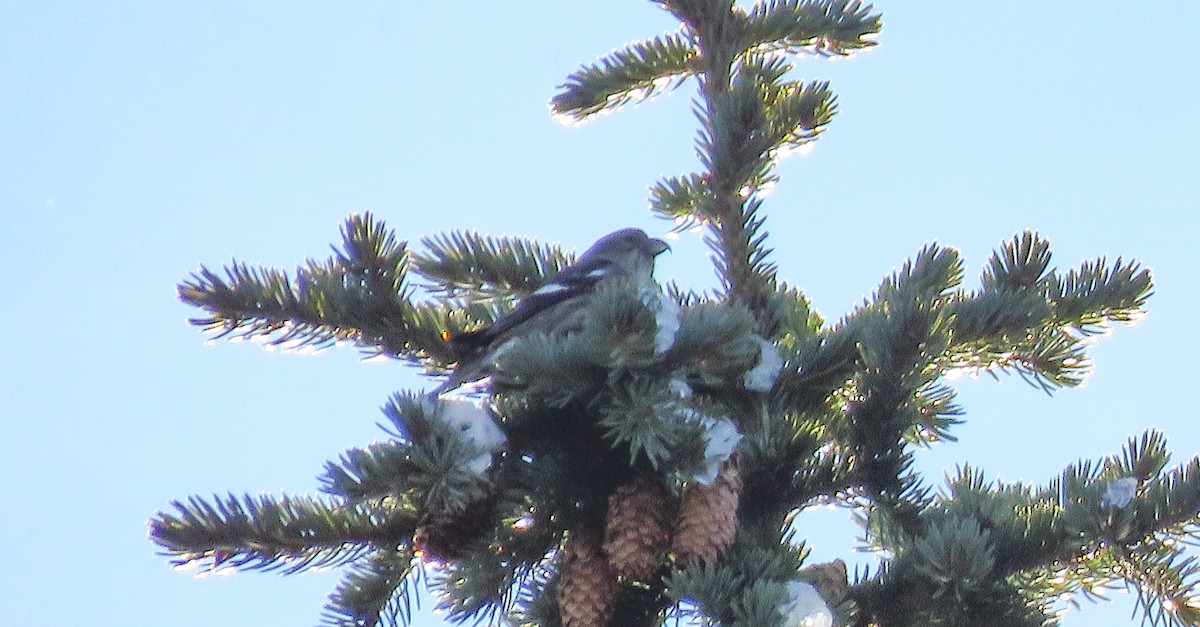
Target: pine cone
708,516
637,531
587,588
448,536
830,579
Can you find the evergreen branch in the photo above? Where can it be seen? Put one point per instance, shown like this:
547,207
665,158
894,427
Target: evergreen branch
818,365
1028,320
797,112
1020,523
558,369
746,585
633,73
741,260
1142,459
1166,581
534,488
357,295
1172,502
1082,541
736,148
619,321
380,470
985,316
733,142
485,268
898,332
682,199
702,16
1020,264
618,334
479,587
956,553
784,466
839,421
1085,299
1096,294
759,602
992,330
1080,536
536,604
256,302
823,27
924,280
714,345
377,588
798,321
935,411
745,121
428,468
637,427
1169,503
288,533
901,595
645,417
428,324
982,540
1048,358
1045,357
1048,586
711,585
899,336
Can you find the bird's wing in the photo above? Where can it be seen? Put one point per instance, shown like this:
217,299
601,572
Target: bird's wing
573,281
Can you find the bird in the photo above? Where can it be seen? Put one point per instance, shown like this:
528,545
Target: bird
556,307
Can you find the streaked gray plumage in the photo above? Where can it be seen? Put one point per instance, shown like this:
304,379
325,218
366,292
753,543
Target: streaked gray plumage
556,307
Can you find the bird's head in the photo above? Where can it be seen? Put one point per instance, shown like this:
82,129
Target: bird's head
628,242
630,252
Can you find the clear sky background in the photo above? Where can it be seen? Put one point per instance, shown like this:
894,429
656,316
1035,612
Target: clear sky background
141,139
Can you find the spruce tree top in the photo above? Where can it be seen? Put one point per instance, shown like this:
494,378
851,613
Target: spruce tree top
641,455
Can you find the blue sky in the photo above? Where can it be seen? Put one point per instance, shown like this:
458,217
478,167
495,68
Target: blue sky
139,140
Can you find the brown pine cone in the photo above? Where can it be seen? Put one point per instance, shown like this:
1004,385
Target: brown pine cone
587,588
637,530
708,516
830,579
446,536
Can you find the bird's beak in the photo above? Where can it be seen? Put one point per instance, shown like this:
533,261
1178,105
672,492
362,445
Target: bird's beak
659,246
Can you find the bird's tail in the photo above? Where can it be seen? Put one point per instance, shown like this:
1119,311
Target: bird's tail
470,349
469,343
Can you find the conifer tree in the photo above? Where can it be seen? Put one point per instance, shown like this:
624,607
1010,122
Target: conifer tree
648,465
